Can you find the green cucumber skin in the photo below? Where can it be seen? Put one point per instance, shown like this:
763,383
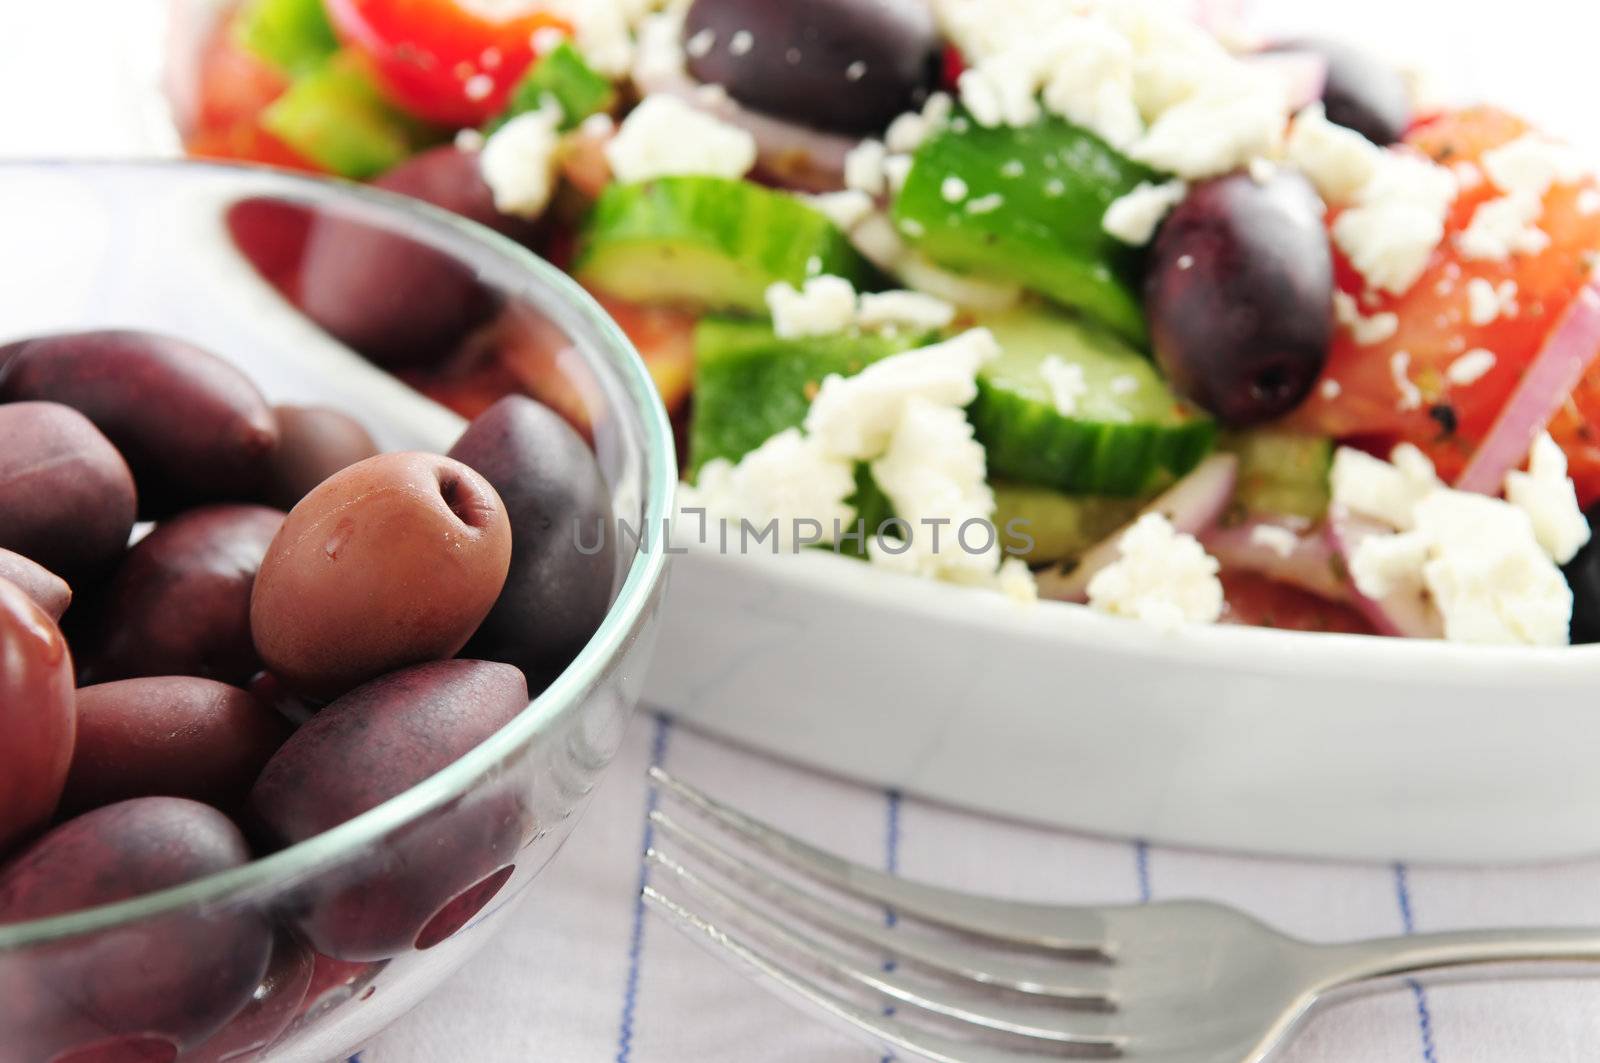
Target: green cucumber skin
1061,526
750,385
1053,244
563,75
1281,473
293,35
337,117
709,243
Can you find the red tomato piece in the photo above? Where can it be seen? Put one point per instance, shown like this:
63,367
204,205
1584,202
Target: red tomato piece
1435,328
447,61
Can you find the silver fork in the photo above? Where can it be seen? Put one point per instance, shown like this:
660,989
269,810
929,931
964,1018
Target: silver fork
990,981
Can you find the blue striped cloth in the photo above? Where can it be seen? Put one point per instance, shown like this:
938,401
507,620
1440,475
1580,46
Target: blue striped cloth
588,976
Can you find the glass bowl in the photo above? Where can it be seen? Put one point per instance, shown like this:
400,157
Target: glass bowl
158,246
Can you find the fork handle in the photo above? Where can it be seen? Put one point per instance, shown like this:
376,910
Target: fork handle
1465,952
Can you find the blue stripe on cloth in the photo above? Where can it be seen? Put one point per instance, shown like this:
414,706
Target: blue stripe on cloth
1402,895
354,1059
891,864
630,990
1141,869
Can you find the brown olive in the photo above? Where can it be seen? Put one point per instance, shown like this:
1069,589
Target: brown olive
193,427
563,553
169,736
394,561
314,442
180,603
48,590
37,716
66,496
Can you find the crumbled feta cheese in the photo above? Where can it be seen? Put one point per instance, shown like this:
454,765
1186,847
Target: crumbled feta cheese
1546,494
1531,165
701,43
899,309
741,43
1331,389
788,479
1468,176
896,168
853,417
603,30
1363,329
664,136
1400,373
1504,227
863,168
1124,384
986,204
1164,577
1133,218
1275,537
824,307
1396,222
1015,580
518,162
1066,384
1487,303
1385,566
1383,490
469,140
846,209
1338,161
953,189
1589,201
907,132
1470,367
1262,171
1218,129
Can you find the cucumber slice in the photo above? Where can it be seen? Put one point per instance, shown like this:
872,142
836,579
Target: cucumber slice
1061,526
1128,434
1281,473
336,117
293,35
1030,211
750,385
708,243
563,75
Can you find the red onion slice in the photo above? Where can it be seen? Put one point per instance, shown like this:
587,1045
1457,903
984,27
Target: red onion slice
1193,505
1570,349
1402,615
1310,565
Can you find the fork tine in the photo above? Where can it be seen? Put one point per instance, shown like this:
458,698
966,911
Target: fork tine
1079,930
1090,1034
1088,985
884,1030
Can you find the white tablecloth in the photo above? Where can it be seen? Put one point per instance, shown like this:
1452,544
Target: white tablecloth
585,975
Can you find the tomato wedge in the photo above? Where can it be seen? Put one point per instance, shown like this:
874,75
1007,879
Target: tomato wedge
446,61
1362,397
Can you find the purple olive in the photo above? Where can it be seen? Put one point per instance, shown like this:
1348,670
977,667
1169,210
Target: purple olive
557,592
391,298
67,499
314,442
155,986
1239,295
180,603
271,1008
48,590
1363,92
193,428
169,736
423,881
846,66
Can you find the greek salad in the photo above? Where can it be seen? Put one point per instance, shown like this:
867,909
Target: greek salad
1102,301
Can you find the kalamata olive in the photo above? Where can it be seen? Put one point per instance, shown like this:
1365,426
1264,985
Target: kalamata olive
366,747
1363,92
151,987
193,428
847,66
271,1008
48,590
334,983
169,736
1583,576
557,592
37,716
314,442
180,603
67,499
391,298
394,561
1239,295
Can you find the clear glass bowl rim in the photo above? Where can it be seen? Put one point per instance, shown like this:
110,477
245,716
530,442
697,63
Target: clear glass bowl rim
595,333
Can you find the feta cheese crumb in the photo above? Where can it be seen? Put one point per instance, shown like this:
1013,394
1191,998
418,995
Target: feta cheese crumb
1504,227
1363,329
1470,367
863,168
1164,577
1134,217
1531,165
1487,303
1397,220
1015,580
1387,491
846,209
824,307
1338,161
900,309
1400,373
896,168
953,189
1546,494
1066,384
1275,537
986,204
664,136
518,162
1331,389
789,479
